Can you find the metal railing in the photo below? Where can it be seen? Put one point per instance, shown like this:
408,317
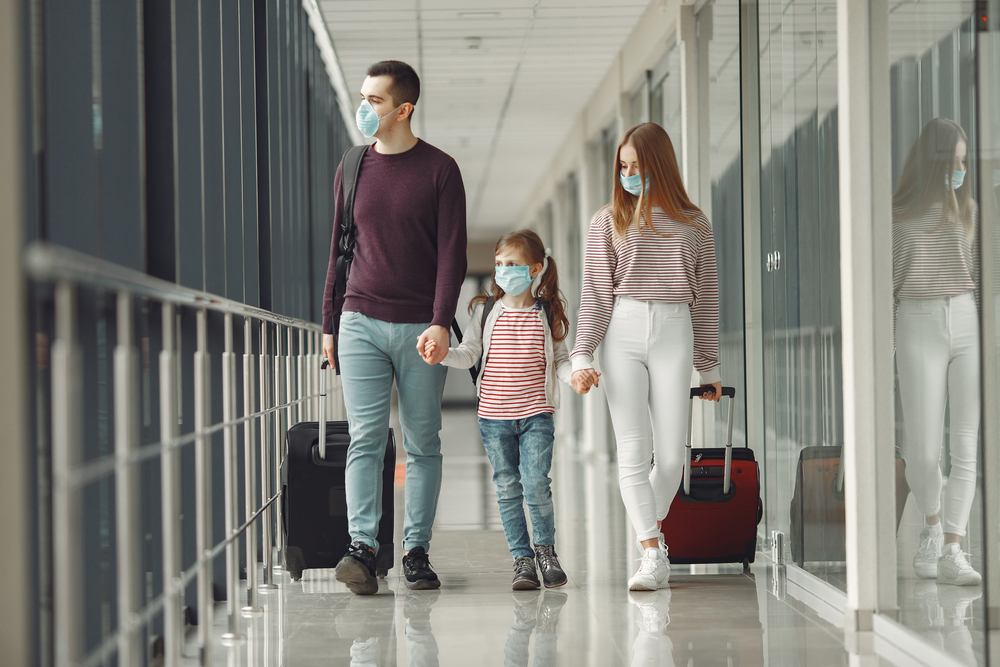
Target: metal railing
286,385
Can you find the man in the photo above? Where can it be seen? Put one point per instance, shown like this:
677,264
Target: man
409,265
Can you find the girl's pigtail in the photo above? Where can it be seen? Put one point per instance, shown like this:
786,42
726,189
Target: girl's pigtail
548,293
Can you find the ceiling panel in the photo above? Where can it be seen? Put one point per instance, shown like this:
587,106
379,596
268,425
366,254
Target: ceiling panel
545,56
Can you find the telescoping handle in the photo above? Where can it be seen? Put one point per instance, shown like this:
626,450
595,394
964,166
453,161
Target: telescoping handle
322,407
728,467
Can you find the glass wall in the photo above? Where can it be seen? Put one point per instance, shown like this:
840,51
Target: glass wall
935,234
800,276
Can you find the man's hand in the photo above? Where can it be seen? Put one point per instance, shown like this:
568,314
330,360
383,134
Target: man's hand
584,379
439,336
328,349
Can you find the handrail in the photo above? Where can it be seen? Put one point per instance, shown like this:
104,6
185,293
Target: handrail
45,261
278,371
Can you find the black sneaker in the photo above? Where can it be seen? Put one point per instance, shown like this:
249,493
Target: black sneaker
525,576
418,572
548,563
357,569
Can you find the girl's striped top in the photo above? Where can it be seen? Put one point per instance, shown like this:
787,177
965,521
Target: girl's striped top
677,265
513,382
933,258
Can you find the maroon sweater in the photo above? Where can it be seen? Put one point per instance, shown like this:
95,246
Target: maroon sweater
410,250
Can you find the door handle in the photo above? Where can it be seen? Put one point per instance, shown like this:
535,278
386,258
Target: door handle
777,260
770,262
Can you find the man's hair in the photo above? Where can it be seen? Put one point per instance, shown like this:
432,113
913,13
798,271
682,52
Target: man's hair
405,86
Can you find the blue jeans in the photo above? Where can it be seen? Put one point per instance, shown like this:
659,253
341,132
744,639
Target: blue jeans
520,451
372,354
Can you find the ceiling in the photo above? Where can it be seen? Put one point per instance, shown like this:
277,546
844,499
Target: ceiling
502,81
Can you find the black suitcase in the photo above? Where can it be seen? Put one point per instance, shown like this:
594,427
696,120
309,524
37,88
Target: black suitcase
314,500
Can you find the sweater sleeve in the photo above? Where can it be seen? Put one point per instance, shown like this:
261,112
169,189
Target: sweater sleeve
331,310
451,242
597,297
705,311
470,350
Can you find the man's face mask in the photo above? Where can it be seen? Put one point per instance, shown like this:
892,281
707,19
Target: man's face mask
368,120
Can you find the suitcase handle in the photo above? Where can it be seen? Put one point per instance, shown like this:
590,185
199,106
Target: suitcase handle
728,466
320,458
322,414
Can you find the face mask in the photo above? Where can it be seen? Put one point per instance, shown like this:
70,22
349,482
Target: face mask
632,184
513,279
368,120
957,178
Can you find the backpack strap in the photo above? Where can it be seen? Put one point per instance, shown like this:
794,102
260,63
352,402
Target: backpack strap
350,166
487,309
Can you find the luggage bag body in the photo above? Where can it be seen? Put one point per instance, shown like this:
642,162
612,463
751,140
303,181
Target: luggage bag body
817,530
314,498
714,516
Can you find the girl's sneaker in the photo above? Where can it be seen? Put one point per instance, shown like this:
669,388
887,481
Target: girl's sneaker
525,576
552,572
654,572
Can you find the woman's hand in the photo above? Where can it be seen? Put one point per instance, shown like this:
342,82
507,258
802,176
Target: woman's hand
584,379
713,392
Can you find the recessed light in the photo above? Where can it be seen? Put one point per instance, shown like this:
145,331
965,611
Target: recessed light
478,15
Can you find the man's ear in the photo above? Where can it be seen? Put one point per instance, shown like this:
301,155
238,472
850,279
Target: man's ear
405,112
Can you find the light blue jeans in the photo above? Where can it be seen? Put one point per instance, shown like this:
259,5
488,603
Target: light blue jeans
520,452
372,354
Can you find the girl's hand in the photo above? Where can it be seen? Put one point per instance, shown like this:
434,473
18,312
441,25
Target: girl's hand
584,379
430,347
713,392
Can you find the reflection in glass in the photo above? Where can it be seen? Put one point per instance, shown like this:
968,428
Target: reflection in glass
540,617
935,277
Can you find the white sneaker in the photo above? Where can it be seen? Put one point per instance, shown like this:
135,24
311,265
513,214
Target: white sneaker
925,563
653,572
654,608
953,567
955,602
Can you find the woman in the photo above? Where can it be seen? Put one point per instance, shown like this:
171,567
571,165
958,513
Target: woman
935,251
650,300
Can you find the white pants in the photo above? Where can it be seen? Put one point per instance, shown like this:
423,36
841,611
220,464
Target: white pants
646,359
937,358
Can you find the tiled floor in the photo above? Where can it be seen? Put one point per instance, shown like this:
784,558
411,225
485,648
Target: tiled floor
715,615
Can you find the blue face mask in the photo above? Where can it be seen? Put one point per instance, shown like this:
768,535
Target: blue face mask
632,184
957,178
513,279
368,120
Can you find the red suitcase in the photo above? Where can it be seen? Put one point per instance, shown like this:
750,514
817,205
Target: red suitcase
714,516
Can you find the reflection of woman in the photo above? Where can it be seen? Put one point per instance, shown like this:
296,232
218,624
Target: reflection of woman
935,279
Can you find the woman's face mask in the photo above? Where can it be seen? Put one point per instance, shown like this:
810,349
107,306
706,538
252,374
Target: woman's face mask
632,184
957,178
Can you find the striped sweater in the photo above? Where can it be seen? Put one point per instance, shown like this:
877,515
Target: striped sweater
675,266
933,259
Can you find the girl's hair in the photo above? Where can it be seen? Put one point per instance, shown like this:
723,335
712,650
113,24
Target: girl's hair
656,157
532,250
926,177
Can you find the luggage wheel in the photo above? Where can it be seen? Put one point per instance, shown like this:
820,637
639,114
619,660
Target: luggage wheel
746,564
380,573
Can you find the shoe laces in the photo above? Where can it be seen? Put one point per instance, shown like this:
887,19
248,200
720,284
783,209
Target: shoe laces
523,564
650,560
360,549
418,559
960,559
546,556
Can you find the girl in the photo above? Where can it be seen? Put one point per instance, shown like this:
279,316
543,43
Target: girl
935,276
521,353
650,299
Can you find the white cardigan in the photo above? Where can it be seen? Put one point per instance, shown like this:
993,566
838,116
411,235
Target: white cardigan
466,355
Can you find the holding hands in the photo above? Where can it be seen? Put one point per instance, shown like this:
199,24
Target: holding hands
584,379
432,344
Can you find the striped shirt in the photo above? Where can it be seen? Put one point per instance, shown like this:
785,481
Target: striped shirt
513,381
933,258
675,266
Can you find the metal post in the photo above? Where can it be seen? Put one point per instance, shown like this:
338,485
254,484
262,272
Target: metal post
301,360
173,627
203,486
250,469
66,428
280,377
126,392
231,488
265,461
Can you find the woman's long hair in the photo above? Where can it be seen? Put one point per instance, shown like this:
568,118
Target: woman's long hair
656,157
926,178
531,248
